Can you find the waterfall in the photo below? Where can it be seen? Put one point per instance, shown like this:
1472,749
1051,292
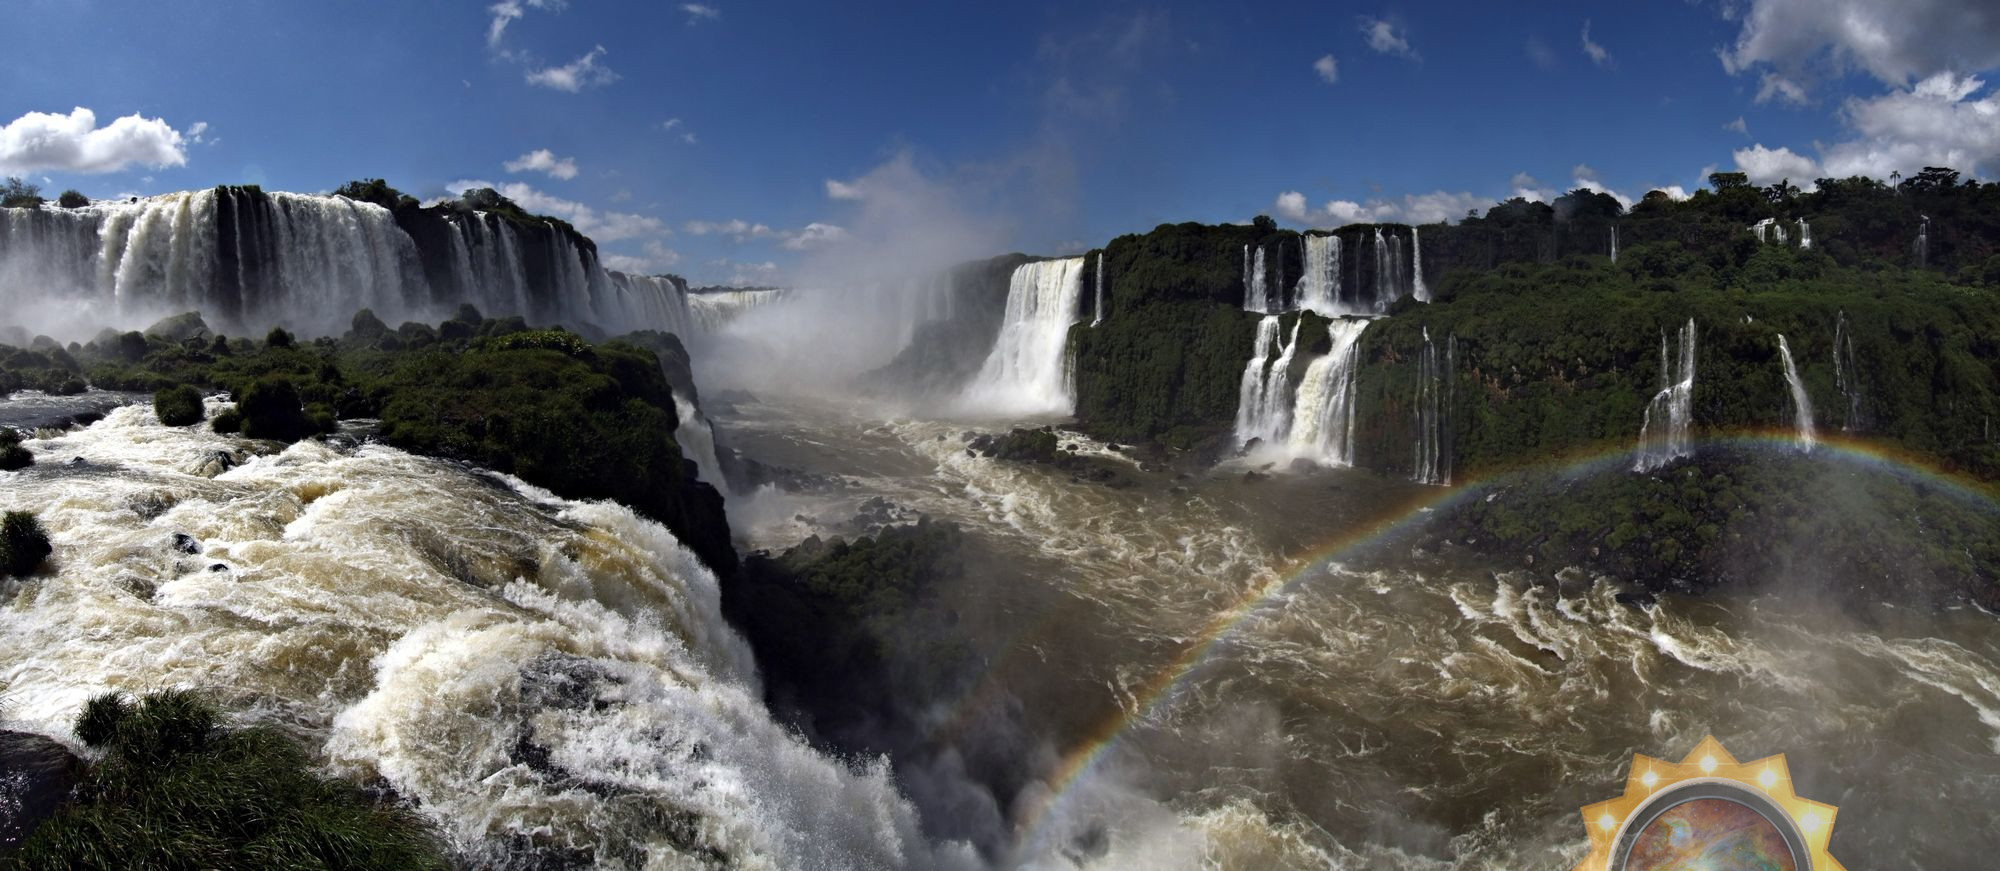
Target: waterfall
696,437
1097,310
1762,228
1319,286
1256,290
715,309
1614,244
1431,414
1274,294
1778,230
1384,281
1264,398
1802,411
1805,234
1418,289
1663,433
1922,247
1026,374
1846,378
250,260
1323,416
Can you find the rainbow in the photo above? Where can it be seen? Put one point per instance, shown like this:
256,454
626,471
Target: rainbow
1170,677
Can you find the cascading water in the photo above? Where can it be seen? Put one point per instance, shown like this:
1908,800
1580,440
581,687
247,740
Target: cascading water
1762,229
1431,414
1323,416
542,678
1614,244
1097,309
250,260
1417,287
1802,410
1264,399
1663,434
714,310
696,437
1026,373
1846,376
1256,290
1921,248
1319,285
1805,234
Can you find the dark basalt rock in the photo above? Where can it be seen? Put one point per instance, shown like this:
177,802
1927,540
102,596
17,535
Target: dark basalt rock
36,775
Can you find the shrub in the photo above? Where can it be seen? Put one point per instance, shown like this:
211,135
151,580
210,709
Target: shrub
12,455
17,194
177,789
278,338
179,405
23,544
227,422
72,199
271,410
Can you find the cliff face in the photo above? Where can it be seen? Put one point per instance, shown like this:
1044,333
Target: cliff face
945,353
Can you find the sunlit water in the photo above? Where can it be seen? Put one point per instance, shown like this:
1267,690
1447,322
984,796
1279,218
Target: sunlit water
1391,707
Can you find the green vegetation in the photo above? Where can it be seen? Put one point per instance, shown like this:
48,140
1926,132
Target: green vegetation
23,544
178,789
12,455
179,405
18,194
72,199
1743,516
46,367
832,621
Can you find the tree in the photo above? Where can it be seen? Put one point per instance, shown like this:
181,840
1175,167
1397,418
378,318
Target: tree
72,199
17,194
1724,182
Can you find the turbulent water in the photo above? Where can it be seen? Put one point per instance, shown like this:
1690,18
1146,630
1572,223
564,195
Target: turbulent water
1027,372
1389,707
249,262
540,676
1322,423
1663,433
1264,399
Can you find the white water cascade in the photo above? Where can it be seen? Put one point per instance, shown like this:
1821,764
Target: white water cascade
716,309
696,437
1256,289
1614,244
248,261
1264,399
1097,308
1922,247
1805,234
1319,285
532,672
1431,414
1663,434
1846,376
1323,416
1025,375
1802,410
1417,286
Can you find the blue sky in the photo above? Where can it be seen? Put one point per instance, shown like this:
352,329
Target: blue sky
753,141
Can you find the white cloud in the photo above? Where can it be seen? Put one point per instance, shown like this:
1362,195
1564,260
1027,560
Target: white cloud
1586,178
1767,165
1383,38
576,75
1328,69
735,228
196,130
1597,53
841,190
1539,52
670,123
814,235
1528,188
44,141
699,12
1427,208
1936,123
1895,41
1783,88
600,226
508,11
657,258
1737,126
544,161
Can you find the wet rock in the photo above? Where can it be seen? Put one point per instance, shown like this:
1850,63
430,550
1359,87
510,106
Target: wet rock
186,543
36,775
213,463
217,567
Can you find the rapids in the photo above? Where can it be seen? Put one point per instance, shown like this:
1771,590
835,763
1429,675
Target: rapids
1368,703
545,678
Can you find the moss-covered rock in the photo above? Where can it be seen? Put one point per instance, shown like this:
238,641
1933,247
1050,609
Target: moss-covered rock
179,405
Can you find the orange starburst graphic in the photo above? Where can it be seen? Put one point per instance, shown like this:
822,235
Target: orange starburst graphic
1660,797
